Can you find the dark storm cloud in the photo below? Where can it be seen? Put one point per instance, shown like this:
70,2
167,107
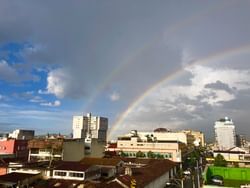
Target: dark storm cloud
218,85
88,40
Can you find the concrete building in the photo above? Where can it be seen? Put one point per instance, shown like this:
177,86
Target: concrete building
194,137
64,149
56,149
20,134
90,126
152,146
225,134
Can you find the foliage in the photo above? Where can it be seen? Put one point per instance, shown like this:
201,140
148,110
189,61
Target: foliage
140,154
123,154
151,154
159,156
220,161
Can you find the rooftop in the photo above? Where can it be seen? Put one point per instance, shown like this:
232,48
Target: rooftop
101,161
15,177
143,176
72,166
45,143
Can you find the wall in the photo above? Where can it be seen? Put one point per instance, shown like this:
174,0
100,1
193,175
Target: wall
73,150
7,146
3,170
97,148
229,173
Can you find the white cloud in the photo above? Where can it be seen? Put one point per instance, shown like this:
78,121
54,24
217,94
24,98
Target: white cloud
63,83
37,99
57,82
52,104
42,92
114,96
236,79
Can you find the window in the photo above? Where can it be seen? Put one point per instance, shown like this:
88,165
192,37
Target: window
75,174
60,173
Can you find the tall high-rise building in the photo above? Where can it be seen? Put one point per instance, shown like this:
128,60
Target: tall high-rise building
225,134
90,126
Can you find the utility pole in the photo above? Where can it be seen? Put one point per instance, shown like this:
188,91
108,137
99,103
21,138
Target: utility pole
198,173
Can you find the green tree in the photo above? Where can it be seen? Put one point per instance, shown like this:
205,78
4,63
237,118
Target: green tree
151,154
122,154
220,161
140,154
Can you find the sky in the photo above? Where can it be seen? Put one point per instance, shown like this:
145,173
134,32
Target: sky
143,64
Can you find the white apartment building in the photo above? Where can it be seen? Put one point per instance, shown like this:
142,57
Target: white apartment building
225,134
168,146
90,126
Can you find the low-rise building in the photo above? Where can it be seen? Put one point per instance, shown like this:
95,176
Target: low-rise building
235,155
151,147
13,148
45,149
148,173
64,149
109,166
76,171
56,149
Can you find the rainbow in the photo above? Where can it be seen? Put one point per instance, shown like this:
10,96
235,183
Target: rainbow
168,32
212,58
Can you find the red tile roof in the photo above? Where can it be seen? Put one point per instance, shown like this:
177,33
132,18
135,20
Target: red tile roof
72,166
153,169
101,161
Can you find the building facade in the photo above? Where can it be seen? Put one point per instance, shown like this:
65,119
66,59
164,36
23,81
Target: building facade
136,146
194,137
93,126
225,134
56,149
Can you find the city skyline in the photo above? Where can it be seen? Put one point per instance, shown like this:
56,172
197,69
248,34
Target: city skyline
143,65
